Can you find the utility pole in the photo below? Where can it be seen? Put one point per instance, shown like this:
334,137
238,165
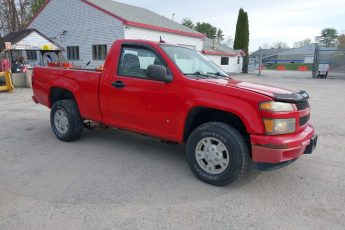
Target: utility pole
316,60
260,61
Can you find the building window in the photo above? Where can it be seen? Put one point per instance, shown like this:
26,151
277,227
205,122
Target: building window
73,52
31,55
224,61
99,52
238,60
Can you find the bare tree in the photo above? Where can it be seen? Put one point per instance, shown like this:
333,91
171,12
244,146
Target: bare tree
280,45
302,43
228,41
266,46
25,12
341,41
14,15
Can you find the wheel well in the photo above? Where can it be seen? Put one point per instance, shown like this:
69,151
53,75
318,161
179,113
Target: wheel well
57,94
201,115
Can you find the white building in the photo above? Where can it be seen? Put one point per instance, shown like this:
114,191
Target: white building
31,45
86,29
231,61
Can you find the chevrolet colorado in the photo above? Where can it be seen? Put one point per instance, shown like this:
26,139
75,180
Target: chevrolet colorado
176,94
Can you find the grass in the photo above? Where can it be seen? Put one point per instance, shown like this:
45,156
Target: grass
290,66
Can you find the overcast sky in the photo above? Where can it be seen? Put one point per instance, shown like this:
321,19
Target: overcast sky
269,20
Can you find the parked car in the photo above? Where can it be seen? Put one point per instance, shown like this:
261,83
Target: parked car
323,70
268,64
176,94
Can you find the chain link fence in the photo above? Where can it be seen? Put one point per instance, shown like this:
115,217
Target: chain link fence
335,58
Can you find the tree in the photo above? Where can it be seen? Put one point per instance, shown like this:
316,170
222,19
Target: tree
188,22
36,5
220,35
280,45
9,16
207,29
327,38
266,46
242,37
304,42
341,41
14,14
228,41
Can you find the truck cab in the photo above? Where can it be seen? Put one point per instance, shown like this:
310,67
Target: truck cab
176,94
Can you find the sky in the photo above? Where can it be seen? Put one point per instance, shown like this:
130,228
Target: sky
270,21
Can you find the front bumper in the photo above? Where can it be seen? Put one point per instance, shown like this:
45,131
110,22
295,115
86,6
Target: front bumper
283,148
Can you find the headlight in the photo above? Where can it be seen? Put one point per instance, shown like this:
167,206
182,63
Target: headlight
280,126
276,106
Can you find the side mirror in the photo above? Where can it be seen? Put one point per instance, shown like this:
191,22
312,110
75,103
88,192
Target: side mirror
158,73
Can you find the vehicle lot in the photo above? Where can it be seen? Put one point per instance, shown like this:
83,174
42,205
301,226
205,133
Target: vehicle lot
112,179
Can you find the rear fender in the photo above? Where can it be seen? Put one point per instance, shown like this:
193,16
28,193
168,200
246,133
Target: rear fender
70,85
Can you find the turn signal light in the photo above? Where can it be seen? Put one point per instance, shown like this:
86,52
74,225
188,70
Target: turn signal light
276,106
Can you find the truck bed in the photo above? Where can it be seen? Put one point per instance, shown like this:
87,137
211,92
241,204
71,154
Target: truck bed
84,84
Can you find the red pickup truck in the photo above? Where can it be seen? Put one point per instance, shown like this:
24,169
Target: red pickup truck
176,94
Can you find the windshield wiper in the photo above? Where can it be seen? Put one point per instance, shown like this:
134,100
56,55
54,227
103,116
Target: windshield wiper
204,76
219,75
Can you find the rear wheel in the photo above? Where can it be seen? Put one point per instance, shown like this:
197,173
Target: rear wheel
66,121
217,153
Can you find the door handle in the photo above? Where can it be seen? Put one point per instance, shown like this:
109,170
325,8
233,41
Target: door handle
118,84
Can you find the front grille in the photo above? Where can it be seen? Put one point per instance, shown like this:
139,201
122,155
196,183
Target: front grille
302,105
304,120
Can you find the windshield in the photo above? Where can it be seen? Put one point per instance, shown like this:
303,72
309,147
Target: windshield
192,63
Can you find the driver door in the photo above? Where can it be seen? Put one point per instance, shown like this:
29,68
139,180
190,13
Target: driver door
137,103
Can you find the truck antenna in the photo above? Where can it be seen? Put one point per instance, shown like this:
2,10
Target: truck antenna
161,40
87,64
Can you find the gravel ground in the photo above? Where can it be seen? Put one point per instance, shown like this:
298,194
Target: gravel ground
116,180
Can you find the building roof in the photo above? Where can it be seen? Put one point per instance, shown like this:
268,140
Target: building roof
136,16
304,50
267,52
215,48
15,37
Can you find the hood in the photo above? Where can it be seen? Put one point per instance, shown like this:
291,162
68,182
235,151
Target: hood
278,94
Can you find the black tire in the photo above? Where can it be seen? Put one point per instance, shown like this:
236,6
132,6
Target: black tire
235,144
75,122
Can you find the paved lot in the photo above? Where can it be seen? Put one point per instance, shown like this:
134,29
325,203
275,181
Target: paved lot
116,180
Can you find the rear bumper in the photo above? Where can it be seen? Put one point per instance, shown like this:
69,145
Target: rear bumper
283,148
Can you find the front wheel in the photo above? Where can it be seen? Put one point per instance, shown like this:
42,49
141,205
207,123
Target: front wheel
217,153
66,121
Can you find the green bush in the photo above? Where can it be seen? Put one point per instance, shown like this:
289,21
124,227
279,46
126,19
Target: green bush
290,66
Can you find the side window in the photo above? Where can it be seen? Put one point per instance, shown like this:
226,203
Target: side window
99,52
31,55
73,52
225,61
135,61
